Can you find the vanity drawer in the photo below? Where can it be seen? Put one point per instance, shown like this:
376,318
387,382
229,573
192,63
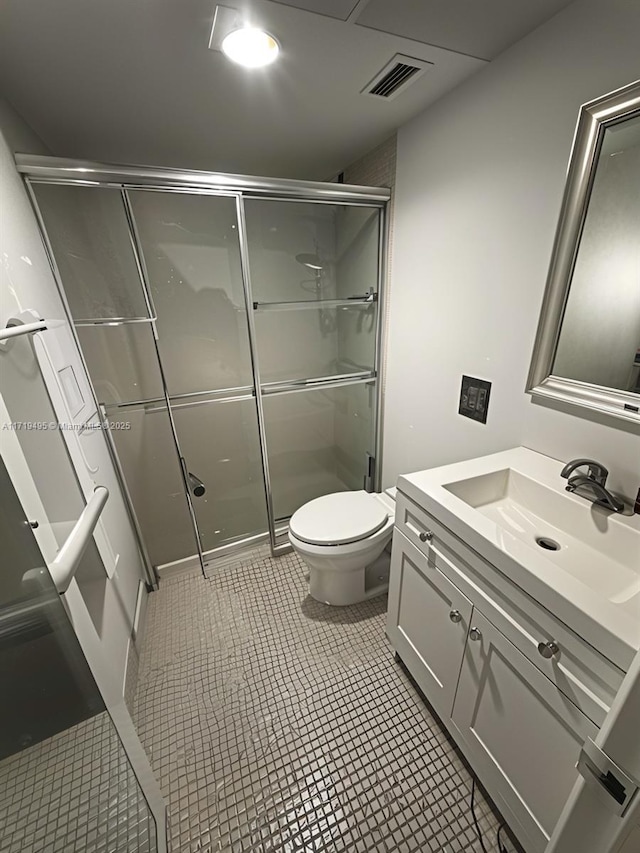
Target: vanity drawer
416,524
583,675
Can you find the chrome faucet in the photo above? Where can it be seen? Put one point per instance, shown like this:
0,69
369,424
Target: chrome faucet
593,481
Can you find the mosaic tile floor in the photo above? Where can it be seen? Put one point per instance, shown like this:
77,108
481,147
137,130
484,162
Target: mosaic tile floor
74,793
275,723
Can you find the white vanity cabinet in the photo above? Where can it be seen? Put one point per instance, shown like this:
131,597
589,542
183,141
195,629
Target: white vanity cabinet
519,732
469,638
427,623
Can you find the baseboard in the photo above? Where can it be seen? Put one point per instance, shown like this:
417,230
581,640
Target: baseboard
215,557
131,676
140,616
185,566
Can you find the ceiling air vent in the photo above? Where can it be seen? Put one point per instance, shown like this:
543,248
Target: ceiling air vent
396,76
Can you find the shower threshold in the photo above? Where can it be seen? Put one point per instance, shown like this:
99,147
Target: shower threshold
187,565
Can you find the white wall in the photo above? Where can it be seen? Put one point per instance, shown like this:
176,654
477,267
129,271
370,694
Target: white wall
18,135
26,282
480,177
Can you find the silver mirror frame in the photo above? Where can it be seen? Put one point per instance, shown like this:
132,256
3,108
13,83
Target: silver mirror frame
593,120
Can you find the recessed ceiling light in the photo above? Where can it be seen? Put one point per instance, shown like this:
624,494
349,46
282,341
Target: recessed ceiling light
251,47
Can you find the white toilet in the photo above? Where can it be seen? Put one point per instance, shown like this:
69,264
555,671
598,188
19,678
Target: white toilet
342,538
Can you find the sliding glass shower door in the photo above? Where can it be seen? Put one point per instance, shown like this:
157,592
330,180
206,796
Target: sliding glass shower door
235,336
314,283
190,250
93,253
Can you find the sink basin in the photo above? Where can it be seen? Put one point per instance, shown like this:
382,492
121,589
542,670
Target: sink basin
573,533
579,560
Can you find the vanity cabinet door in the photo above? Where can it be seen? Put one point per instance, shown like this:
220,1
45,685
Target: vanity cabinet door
427,623
522,735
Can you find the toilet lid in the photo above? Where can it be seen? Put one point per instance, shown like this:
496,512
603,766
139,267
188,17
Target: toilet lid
338,519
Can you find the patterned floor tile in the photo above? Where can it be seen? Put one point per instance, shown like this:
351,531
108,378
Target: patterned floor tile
276,723
75,792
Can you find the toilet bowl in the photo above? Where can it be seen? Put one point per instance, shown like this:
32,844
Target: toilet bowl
342,538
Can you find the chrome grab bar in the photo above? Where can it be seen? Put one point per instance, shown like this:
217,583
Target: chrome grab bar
65,565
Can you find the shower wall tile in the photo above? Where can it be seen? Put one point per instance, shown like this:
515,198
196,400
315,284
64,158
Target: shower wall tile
377,168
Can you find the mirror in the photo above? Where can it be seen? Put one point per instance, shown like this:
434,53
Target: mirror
587,349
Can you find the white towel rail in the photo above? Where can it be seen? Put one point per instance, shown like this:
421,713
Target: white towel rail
22,329
66,563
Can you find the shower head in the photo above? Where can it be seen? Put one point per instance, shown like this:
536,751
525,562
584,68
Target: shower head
312,262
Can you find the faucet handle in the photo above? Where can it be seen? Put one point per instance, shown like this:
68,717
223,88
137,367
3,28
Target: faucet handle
597,471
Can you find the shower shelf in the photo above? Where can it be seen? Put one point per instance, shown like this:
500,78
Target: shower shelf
316,303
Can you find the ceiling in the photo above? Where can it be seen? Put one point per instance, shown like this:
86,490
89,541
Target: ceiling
133,81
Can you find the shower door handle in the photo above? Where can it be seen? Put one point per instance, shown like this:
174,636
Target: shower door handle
370,475
193,483
196,485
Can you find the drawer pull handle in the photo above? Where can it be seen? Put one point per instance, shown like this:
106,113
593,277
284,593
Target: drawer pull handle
455,616
475,634
426,536
548,650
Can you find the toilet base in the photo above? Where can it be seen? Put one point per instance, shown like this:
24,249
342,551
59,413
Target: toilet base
340,589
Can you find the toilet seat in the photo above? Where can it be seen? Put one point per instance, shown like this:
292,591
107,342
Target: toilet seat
339,518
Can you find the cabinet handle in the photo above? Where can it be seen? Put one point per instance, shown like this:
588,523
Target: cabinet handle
475,634
548,650
455,616
426,536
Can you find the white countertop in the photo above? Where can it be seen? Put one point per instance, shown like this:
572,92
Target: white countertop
610,623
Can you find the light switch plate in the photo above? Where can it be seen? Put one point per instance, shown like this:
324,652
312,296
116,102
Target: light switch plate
474,398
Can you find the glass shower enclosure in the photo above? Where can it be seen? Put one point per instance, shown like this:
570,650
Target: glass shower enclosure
231,328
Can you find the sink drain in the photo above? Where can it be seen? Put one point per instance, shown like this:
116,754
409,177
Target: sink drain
547,544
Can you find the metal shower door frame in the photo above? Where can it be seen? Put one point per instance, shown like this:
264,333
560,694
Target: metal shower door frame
53,170
255,368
